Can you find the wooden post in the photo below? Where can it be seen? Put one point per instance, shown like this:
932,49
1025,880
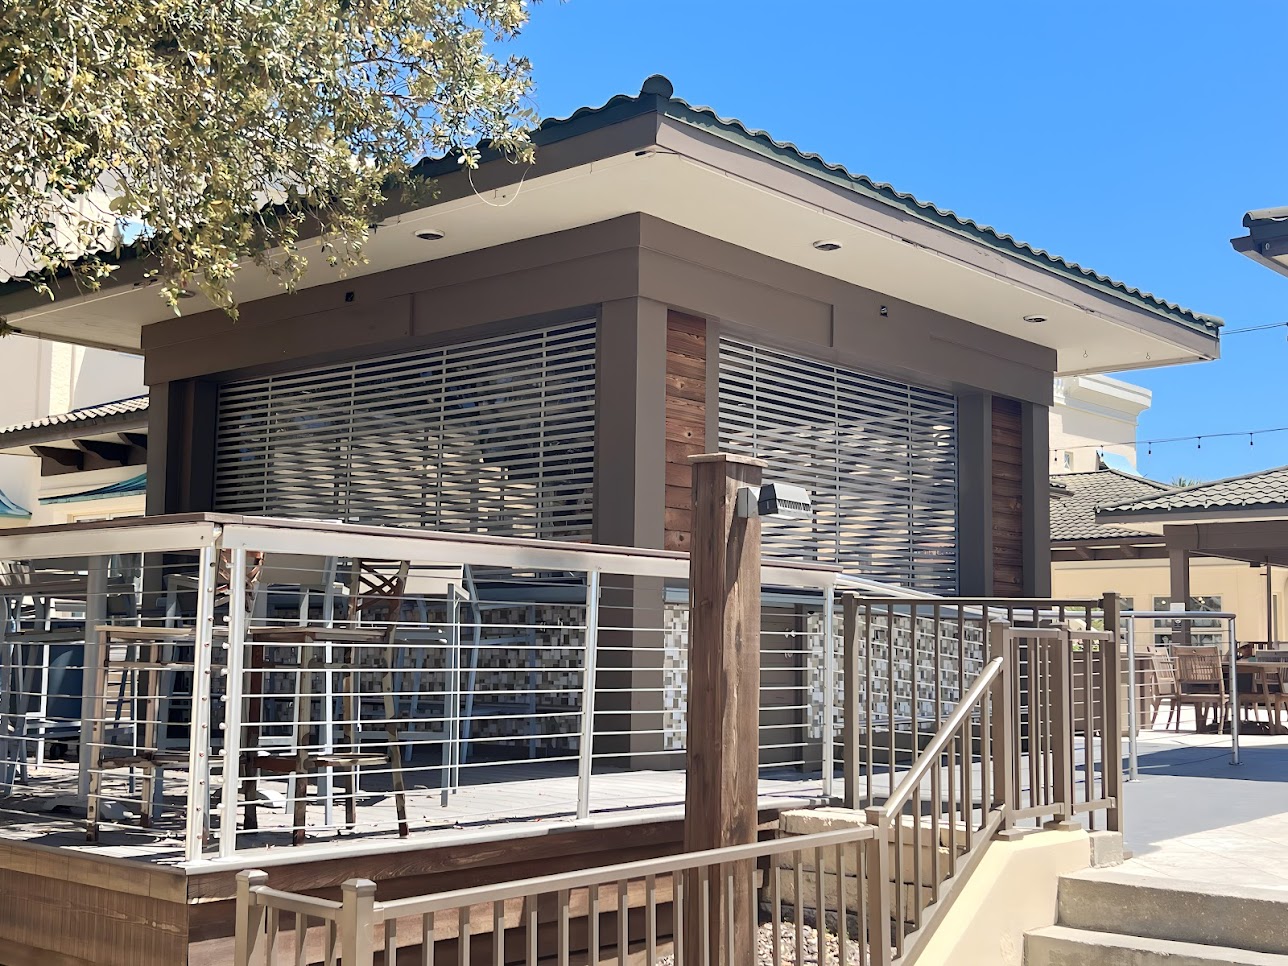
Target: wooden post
1111,736
850,726
723,700
251,939
1179,562
357,919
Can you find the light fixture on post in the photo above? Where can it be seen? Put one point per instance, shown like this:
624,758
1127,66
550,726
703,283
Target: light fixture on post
781,500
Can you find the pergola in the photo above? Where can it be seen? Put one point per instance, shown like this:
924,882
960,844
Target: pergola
1244,518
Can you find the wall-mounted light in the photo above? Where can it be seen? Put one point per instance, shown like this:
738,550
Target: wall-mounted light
430,234
827,245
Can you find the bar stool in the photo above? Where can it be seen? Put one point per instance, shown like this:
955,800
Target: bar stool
375,594
149,661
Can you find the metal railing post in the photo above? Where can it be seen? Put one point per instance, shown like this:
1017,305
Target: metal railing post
198,820
357,919
1062,726
1005,736
586,747
233,703
829,690
1133,711
95,614
1234,696
251,939
880,887
1111,737
850,723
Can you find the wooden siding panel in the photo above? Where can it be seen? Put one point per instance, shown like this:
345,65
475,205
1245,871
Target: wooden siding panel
686,419
1008,498
61,909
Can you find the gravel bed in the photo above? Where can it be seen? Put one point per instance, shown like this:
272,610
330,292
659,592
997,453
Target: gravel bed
787,944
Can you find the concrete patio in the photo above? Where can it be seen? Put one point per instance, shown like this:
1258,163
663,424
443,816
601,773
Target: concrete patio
1193,815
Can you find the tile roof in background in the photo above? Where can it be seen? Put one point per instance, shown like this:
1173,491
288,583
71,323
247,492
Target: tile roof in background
1266,488
1073,517
90,416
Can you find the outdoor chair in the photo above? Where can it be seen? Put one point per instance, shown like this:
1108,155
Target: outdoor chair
1162,685
1200,681
1261,685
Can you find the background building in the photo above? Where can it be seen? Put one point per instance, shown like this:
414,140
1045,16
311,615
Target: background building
59,444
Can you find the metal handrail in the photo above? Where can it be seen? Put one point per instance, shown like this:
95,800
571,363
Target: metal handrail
540,885
946,733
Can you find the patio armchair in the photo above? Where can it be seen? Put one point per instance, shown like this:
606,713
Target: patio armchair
1200,681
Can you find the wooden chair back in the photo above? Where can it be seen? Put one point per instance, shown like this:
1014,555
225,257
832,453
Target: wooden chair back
1199,670
377,589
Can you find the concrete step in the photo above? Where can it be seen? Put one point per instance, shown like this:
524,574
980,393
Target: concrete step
1118,901
1062,946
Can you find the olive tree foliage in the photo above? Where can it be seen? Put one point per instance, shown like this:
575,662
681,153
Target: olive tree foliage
208,134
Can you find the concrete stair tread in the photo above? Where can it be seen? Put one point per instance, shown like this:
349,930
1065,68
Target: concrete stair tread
1188,911
1125,876
1065,946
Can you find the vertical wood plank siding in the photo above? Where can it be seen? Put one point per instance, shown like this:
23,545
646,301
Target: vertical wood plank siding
1008,498
686,419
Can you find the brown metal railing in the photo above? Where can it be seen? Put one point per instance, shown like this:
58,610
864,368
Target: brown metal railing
1033,738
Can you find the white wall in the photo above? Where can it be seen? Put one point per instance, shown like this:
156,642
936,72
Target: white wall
1091,413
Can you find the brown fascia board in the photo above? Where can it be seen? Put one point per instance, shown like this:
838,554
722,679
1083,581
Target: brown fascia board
570,147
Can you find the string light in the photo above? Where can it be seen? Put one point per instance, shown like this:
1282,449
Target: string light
1149,443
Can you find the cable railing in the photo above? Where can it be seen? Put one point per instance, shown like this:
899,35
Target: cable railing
212,687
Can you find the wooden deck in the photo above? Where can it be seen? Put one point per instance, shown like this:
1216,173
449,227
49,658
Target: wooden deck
494,801
130,900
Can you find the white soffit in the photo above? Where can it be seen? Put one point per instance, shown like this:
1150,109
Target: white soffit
885,251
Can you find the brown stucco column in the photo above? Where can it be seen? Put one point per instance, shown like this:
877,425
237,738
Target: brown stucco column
1037,499
975,494
181,446
630,480
1179,561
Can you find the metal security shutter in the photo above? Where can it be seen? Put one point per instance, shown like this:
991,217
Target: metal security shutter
879,458
492,436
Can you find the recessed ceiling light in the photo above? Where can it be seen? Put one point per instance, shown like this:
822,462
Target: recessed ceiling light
184,293
429,234
827,245
1035,319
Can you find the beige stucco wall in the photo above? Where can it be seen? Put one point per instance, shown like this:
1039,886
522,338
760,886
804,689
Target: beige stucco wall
40,378
1012,891
1242,588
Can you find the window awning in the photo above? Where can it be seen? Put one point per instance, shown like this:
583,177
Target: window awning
134,486
10,510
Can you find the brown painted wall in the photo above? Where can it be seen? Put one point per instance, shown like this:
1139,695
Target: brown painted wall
642,278
686,420
1008,498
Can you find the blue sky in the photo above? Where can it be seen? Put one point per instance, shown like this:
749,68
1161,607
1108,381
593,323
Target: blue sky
1128,136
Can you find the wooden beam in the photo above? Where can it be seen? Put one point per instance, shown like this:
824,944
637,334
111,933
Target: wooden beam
723,703
55,460
115,453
